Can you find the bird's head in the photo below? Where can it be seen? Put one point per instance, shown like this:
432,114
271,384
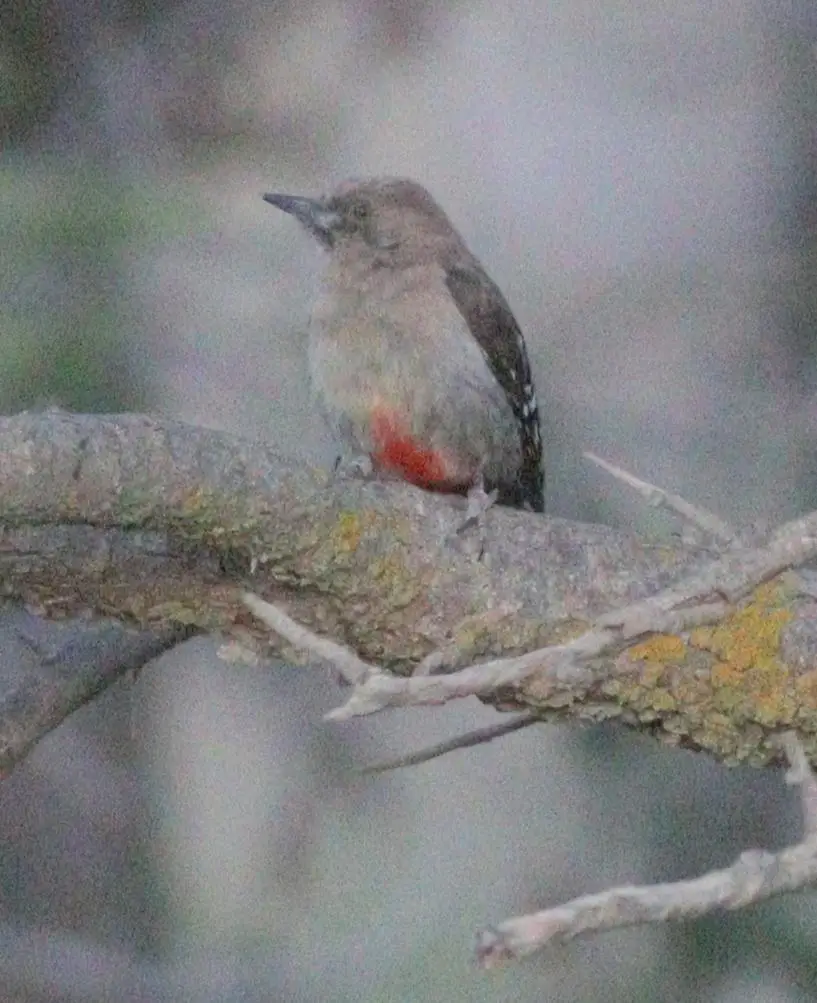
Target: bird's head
378,214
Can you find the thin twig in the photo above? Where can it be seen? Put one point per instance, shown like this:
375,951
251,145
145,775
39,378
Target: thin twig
479,736
755,876
708,522
701,597
353,669
560,665
800,774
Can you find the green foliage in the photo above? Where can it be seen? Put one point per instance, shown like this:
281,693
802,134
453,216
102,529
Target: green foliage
70,317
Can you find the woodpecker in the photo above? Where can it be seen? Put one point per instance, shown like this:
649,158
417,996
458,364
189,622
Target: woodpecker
414,354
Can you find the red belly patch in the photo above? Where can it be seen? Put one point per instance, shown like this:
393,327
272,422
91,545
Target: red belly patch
398,452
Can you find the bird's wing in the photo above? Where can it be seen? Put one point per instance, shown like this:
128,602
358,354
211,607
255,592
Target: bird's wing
495,329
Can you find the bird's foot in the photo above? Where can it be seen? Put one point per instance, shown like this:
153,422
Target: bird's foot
359,467
478,501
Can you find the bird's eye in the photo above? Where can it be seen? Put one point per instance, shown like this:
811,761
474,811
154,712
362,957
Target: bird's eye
360,211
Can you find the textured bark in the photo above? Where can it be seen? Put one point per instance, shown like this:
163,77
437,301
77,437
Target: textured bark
159,524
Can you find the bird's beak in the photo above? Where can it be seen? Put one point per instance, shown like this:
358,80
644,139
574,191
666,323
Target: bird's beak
314,214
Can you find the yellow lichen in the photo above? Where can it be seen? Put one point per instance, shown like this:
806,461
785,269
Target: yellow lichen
660,648
749,680
195,500
751,634
806,688
664,701
724,688
347,532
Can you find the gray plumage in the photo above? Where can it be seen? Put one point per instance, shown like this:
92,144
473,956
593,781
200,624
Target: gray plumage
407,322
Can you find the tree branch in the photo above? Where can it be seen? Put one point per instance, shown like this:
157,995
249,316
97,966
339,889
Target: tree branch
161,525
174,529
479,736
699,518
754,877
71,677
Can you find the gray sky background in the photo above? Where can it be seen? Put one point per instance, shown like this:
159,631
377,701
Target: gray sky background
640,180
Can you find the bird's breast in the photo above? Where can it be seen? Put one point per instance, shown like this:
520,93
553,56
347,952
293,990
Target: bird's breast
398,354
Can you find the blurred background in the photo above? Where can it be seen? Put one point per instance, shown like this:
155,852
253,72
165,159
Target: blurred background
641,180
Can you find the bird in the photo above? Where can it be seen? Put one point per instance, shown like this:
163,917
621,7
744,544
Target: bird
415,357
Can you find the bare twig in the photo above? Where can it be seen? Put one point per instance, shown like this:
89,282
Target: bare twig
707,522
755,876
352,669
702,597
560,665
800,774
479,736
